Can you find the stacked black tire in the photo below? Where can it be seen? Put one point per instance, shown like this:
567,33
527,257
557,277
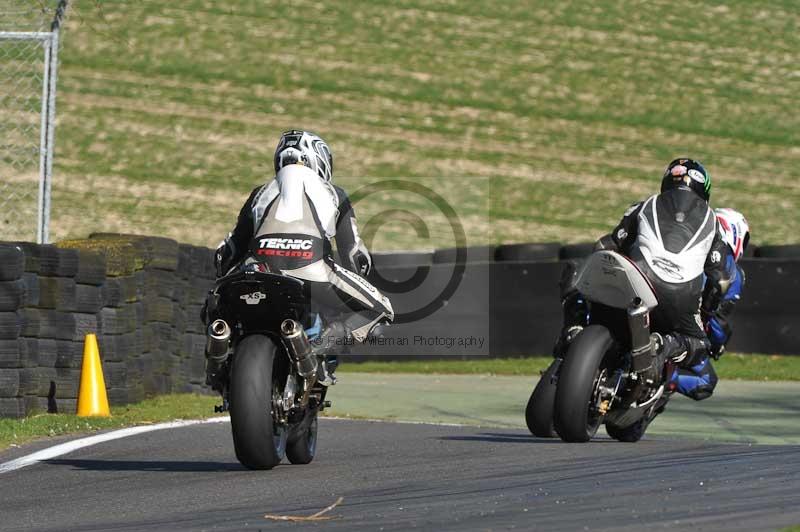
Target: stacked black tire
18,356
140,295
162,306
195,278
57,297
121,337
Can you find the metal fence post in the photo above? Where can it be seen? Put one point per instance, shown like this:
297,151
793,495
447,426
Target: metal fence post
41,232
51,121
24,42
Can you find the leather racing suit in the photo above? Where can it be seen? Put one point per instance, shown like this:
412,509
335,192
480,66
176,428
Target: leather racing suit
675,239
289,223
698,381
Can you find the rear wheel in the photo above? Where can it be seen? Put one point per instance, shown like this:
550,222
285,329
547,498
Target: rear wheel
259,442
302,448
576,412
635,432
539,412
629,434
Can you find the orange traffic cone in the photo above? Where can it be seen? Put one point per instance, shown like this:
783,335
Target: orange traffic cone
92,399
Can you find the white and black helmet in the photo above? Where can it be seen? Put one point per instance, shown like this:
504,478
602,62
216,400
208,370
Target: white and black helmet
306,148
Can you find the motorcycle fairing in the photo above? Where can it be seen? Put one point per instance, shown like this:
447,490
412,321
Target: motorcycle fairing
261,301
610,278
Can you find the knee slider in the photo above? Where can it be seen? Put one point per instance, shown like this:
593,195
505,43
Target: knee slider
704,391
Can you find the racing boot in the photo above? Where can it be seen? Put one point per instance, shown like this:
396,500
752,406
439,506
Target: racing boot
379,331
326,348
326,370
670,347
666,348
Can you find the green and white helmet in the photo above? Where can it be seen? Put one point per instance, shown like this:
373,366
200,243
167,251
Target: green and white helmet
306,148
687,173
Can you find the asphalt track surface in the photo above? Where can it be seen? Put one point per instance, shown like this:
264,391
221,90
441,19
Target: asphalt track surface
396,476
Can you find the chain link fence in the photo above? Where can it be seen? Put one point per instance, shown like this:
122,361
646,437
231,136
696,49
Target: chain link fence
29,32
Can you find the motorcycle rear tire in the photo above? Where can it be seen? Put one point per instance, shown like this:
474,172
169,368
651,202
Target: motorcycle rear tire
259,444
302,448
635,432
629,434
576,382
539,412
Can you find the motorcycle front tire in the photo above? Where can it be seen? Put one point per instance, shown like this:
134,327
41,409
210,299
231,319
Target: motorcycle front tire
576,383
258,442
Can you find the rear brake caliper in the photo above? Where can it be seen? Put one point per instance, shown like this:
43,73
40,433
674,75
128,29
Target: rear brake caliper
597,393
609,388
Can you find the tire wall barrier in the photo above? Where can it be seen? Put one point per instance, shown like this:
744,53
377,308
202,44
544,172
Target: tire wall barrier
142,297
513,302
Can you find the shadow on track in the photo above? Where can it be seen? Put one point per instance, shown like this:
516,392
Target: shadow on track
493,437
501,438
148,465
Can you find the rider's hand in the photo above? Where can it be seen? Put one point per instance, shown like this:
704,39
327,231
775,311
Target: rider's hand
716,351
363,264
222,259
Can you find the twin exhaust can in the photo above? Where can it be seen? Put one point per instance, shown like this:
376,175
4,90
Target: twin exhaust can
299,348
217,341
219,336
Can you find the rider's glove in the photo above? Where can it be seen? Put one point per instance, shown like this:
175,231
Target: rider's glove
716,351
363,263
222,258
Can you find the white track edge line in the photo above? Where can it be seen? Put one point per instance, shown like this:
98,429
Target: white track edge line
74,445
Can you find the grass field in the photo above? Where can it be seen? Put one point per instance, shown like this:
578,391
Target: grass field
163,408
731,366
537,120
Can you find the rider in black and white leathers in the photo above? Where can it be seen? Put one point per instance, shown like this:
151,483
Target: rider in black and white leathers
352,252
289,222
675,239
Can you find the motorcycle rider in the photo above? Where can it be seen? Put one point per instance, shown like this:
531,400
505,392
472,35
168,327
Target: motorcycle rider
289,223
699,381
675,239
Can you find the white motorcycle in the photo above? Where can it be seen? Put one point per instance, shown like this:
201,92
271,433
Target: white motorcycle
602,378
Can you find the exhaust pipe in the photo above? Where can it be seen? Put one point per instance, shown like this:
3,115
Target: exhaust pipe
218,338
641,346
299,348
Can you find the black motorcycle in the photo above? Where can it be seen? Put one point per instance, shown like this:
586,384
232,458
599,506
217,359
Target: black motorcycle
260,340
603,377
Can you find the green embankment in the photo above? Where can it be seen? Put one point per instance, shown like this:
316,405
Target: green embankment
163,408
730,366
537,121
739,411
